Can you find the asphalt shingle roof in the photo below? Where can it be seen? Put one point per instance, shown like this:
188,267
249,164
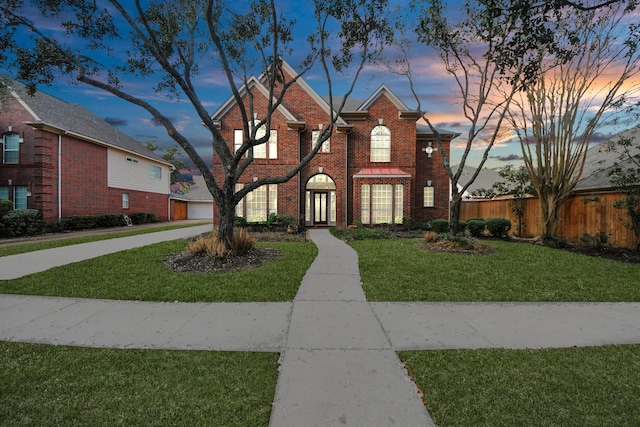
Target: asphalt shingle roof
600,161
78,120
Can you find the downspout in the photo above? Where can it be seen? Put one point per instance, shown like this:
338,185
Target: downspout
59,176
299,182
346,179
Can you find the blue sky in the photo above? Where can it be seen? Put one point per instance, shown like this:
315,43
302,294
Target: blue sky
435,88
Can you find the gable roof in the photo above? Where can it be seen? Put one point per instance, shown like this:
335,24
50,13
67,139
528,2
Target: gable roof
253,82
198,191
599,161
258,82
485,179
58,116
383,90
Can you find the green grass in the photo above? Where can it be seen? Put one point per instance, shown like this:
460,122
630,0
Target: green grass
399,270
593,386
141,274
61,241
52,385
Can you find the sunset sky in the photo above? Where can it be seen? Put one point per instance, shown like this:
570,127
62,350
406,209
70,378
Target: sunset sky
435,88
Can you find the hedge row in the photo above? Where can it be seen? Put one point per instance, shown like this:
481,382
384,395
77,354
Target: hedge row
29,222
477,227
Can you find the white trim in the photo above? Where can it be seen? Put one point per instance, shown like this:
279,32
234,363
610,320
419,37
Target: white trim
24,105
384,90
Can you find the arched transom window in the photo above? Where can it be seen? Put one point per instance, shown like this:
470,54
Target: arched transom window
380,144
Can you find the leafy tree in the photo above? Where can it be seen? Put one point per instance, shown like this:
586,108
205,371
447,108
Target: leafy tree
517,183
625,174
557,113
177,44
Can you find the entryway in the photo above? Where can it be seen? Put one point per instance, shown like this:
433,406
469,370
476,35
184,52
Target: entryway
320,201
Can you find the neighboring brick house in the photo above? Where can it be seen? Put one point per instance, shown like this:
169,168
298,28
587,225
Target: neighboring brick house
378,166
62,160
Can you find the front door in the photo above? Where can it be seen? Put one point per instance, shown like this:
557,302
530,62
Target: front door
320,207
320,201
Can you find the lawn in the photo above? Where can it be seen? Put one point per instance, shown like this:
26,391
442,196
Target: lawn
597,386
400,270
53,385
60,241
141,274
593,386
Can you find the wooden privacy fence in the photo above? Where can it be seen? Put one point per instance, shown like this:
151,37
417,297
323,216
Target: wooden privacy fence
582,214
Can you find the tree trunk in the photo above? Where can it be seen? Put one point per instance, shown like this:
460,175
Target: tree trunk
550,206
225,223
454,220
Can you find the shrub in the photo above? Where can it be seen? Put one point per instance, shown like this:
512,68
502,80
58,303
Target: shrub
598,241
462,226
240,221
242,242
440,226
211,245
359,233
476,227
287,220
498,227
22,222
208,244
431,236
142,217
6,206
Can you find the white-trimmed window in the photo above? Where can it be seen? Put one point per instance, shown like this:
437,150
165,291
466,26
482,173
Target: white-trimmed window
237,140
258,204
381,203
365,193
155,172
20,195
10,148
398,203
380,144
240,205
326,145
125,200
268,150
429,196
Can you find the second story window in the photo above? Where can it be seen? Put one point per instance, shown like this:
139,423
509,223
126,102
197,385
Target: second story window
268,150
380,144
155,172
326,145
10,148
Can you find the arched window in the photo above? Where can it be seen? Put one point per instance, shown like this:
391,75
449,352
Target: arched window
380,144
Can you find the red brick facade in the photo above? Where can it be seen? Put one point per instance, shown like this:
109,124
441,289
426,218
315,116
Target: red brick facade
348,162
65,175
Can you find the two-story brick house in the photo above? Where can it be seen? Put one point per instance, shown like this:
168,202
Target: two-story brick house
62,160
379,165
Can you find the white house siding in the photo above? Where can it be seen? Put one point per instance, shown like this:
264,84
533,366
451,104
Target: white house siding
200,210
132,172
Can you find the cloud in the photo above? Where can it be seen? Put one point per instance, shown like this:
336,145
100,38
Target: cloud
114,121
507,158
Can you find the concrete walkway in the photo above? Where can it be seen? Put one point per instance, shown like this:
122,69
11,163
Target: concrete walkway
338,360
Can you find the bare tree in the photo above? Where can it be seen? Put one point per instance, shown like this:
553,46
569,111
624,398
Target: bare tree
470,50
174,43
557,114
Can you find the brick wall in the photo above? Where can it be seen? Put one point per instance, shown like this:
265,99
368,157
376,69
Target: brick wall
352,149
139,201
84,173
